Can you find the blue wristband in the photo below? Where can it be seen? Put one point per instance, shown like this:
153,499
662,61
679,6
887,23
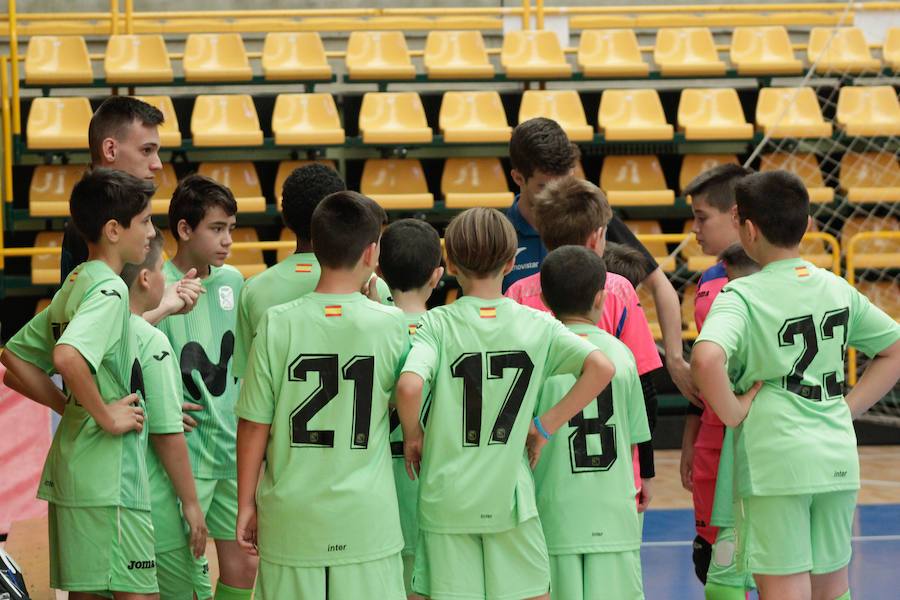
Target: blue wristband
540,428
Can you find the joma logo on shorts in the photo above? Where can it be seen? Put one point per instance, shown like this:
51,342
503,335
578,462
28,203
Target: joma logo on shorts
141,564
840,473
337,547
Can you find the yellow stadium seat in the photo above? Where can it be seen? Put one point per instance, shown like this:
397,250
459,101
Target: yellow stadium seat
689,325
693,254
248,262
870,177
890,52
393,118
694,164
295,55
216,57
57,59
286,236
170,246
657,249
579,170
611,53
137,59
169,132
635,181
815,250
51,186
632,115
456,55
645,297
763,51
378,55
286,167
225,120
806,167
688,51
712,114
166,182
882,294
876,253
473,117
533,55
45,267
396,184
790,113
563,106
41,305
241,179
59,123
869,111
306,120
469,182
846,52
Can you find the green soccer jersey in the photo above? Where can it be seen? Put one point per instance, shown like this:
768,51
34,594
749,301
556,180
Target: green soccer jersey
485,361
295,276
203,341
86,466
161,390
585,478
788,326
321,373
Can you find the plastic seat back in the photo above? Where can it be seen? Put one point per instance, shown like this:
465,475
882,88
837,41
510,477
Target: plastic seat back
241,179
216,57
295,55
633,115
306,119
57,59
473,117
137,59
611,53
790,112
469,182
225,120
393,118
763,51
533,55
396,183
869,111
378,55
635,180
712,114
456,55
50,189
687,51
870,177
563,106
842,49
58,123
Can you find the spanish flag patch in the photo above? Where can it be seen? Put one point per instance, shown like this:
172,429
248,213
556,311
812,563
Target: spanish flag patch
333,311
73,276
487,312
412,329
303,268
801,271
583,335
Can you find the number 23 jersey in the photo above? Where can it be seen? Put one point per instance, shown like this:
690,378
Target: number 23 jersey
485,361
788,326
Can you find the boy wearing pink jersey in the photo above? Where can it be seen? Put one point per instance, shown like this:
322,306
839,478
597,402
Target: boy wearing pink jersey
572,211
712,202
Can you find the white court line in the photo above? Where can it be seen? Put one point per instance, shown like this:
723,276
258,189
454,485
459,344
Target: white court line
880,482
856,538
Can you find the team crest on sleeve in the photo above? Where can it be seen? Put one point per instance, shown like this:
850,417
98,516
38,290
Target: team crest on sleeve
226,297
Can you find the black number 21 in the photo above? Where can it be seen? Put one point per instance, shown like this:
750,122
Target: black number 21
360,370
805,328
470,368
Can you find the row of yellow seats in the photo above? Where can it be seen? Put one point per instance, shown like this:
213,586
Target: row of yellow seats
479,117
374,55
400,183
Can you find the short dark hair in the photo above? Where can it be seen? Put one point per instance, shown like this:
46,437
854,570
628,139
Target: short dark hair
377,210
540,144
193,197
304,188
410,252
778,204
716,185
343,225
105,194
735,257
626,261
113,116
131,271
480,241
568,210
571,276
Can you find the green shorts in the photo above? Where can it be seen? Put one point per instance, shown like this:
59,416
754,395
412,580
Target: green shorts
723,565
783,535
509,565
101,549
218,499
409,563
200,578
584,576
382,579
174,573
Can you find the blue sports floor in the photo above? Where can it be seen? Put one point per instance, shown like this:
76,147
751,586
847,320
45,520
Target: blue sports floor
669,572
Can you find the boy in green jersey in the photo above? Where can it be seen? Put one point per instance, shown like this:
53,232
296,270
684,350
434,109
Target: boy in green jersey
780,335
585,481
410,263
485,358
202,216
296,275
323,516
168,467
95,477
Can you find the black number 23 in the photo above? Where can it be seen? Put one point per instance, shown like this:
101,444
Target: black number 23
805,328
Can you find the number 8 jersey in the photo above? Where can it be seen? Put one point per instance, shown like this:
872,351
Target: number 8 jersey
485,361
789,326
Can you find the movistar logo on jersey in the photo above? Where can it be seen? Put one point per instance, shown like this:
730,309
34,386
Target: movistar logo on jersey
111,293
226,297
213,375
141,564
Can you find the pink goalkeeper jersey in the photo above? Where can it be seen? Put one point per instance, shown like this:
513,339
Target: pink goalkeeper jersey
622,316
711,283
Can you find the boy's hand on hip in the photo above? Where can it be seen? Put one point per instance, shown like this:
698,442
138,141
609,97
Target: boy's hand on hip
123,415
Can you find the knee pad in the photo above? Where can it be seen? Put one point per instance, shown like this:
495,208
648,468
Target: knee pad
702,555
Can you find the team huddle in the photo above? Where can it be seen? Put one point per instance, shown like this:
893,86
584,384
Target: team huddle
338,440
